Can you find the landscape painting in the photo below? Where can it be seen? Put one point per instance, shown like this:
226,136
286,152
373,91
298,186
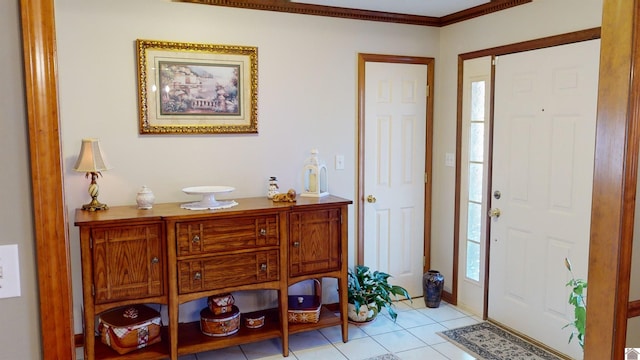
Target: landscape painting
186,88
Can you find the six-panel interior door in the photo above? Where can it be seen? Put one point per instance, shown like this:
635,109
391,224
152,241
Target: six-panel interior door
394,162
543,154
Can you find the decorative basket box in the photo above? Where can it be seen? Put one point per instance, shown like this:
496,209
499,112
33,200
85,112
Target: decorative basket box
306,308
220,325
129,328
221,304
254,321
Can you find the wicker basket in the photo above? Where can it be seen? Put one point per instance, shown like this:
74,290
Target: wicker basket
221,304
254,321
306,308
219,325
130,328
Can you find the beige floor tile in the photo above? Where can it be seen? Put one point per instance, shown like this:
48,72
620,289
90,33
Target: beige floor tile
399,341
423,353
325,352
360,349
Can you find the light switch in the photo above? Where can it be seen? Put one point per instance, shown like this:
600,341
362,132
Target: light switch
9,271
450,159
339,162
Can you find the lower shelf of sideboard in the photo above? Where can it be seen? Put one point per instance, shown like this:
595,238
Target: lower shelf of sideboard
192,340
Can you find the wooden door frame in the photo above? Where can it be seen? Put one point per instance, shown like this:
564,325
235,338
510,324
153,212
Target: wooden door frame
49,210
360,196
615,182
563,39
615,178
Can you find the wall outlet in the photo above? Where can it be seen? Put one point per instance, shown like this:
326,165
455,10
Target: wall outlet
9,271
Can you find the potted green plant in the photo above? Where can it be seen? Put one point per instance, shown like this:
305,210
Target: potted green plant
369,292
578,299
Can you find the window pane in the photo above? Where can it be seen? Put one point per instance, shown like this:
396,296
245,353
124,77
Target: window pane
476,142
473,261
473,222
475,182
477,101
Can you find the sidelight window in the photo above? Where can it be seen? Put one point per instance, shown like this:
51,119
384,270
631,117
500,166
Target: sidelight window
475,172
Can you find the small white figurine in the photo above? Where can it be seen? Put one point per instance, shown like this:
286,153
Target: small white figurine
273,187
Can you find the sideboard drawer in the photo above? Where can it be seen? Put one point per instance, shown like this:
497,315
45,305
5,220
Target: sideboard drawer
226,234
216,272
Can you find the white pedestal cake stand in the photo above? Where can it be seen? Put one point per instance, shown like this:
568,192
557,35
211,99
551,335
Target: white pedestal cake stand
208,201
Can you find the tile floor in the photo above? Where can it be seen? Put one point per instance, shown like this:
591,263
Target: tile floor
413,336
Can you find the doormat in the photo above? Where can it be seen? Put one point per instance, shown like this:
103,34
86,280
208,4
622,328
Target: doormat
490,342
384,357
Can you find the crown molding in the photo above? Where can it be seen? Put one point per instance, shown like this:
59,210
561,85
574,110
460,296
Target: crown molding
330,11
485,9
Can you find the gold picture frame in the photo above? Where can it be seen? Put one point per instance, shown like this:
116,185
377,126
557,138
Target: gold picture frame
187,88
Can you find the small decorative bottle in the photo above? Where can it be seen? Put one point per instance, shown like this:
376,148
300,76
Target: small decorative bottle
273,187
145,198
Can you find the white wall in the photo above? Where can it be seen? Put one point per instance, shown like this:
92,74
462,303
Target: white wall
21,339
538,19
307,98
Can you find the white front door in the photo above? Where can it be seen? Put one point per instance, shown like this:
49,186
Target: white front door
394,163
543,154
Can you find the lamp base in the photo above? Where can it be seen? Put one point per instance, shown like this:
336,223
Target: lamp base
94,205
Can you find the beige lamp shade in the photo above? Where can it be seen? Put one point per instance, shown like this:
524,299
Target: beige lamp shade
91,158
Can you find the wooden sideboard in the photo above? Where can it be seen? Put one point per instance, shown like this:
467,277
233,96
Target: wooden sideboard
169,256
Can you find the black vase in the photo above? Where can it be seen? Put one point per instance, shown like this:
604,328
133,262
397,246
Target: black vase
432,283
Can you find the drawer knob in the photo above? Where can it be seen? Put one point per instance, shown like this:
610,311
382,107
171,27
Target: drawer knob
296,244
263,267
197,276
263,232
196,239
155,260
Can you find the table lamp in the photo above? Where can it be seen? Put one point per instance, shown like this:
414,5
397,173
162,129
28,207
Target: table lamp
91,161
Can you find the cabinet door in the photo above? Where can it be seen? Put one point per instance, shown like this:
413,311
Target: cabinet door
314,241
127,262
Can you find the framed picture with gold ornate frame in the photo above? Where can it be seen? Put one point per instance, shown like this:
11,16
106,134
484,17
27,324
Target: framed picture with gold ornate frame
187,88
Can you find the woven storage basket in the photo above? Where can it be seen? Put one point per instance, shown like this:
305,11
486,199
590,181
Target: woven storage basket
306,308
221,304
254,321
130,328
220,325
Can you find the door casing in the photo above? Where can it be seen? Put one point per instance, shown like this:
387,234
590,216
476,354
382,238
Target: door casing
568,38
360,196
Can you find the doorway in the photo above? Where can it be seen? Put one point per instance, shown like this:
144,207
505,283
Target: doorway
554,141
543,156
394,163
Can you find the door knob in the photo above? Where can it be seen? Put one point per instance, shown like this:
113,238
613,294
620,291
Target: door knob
494,213
371,199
